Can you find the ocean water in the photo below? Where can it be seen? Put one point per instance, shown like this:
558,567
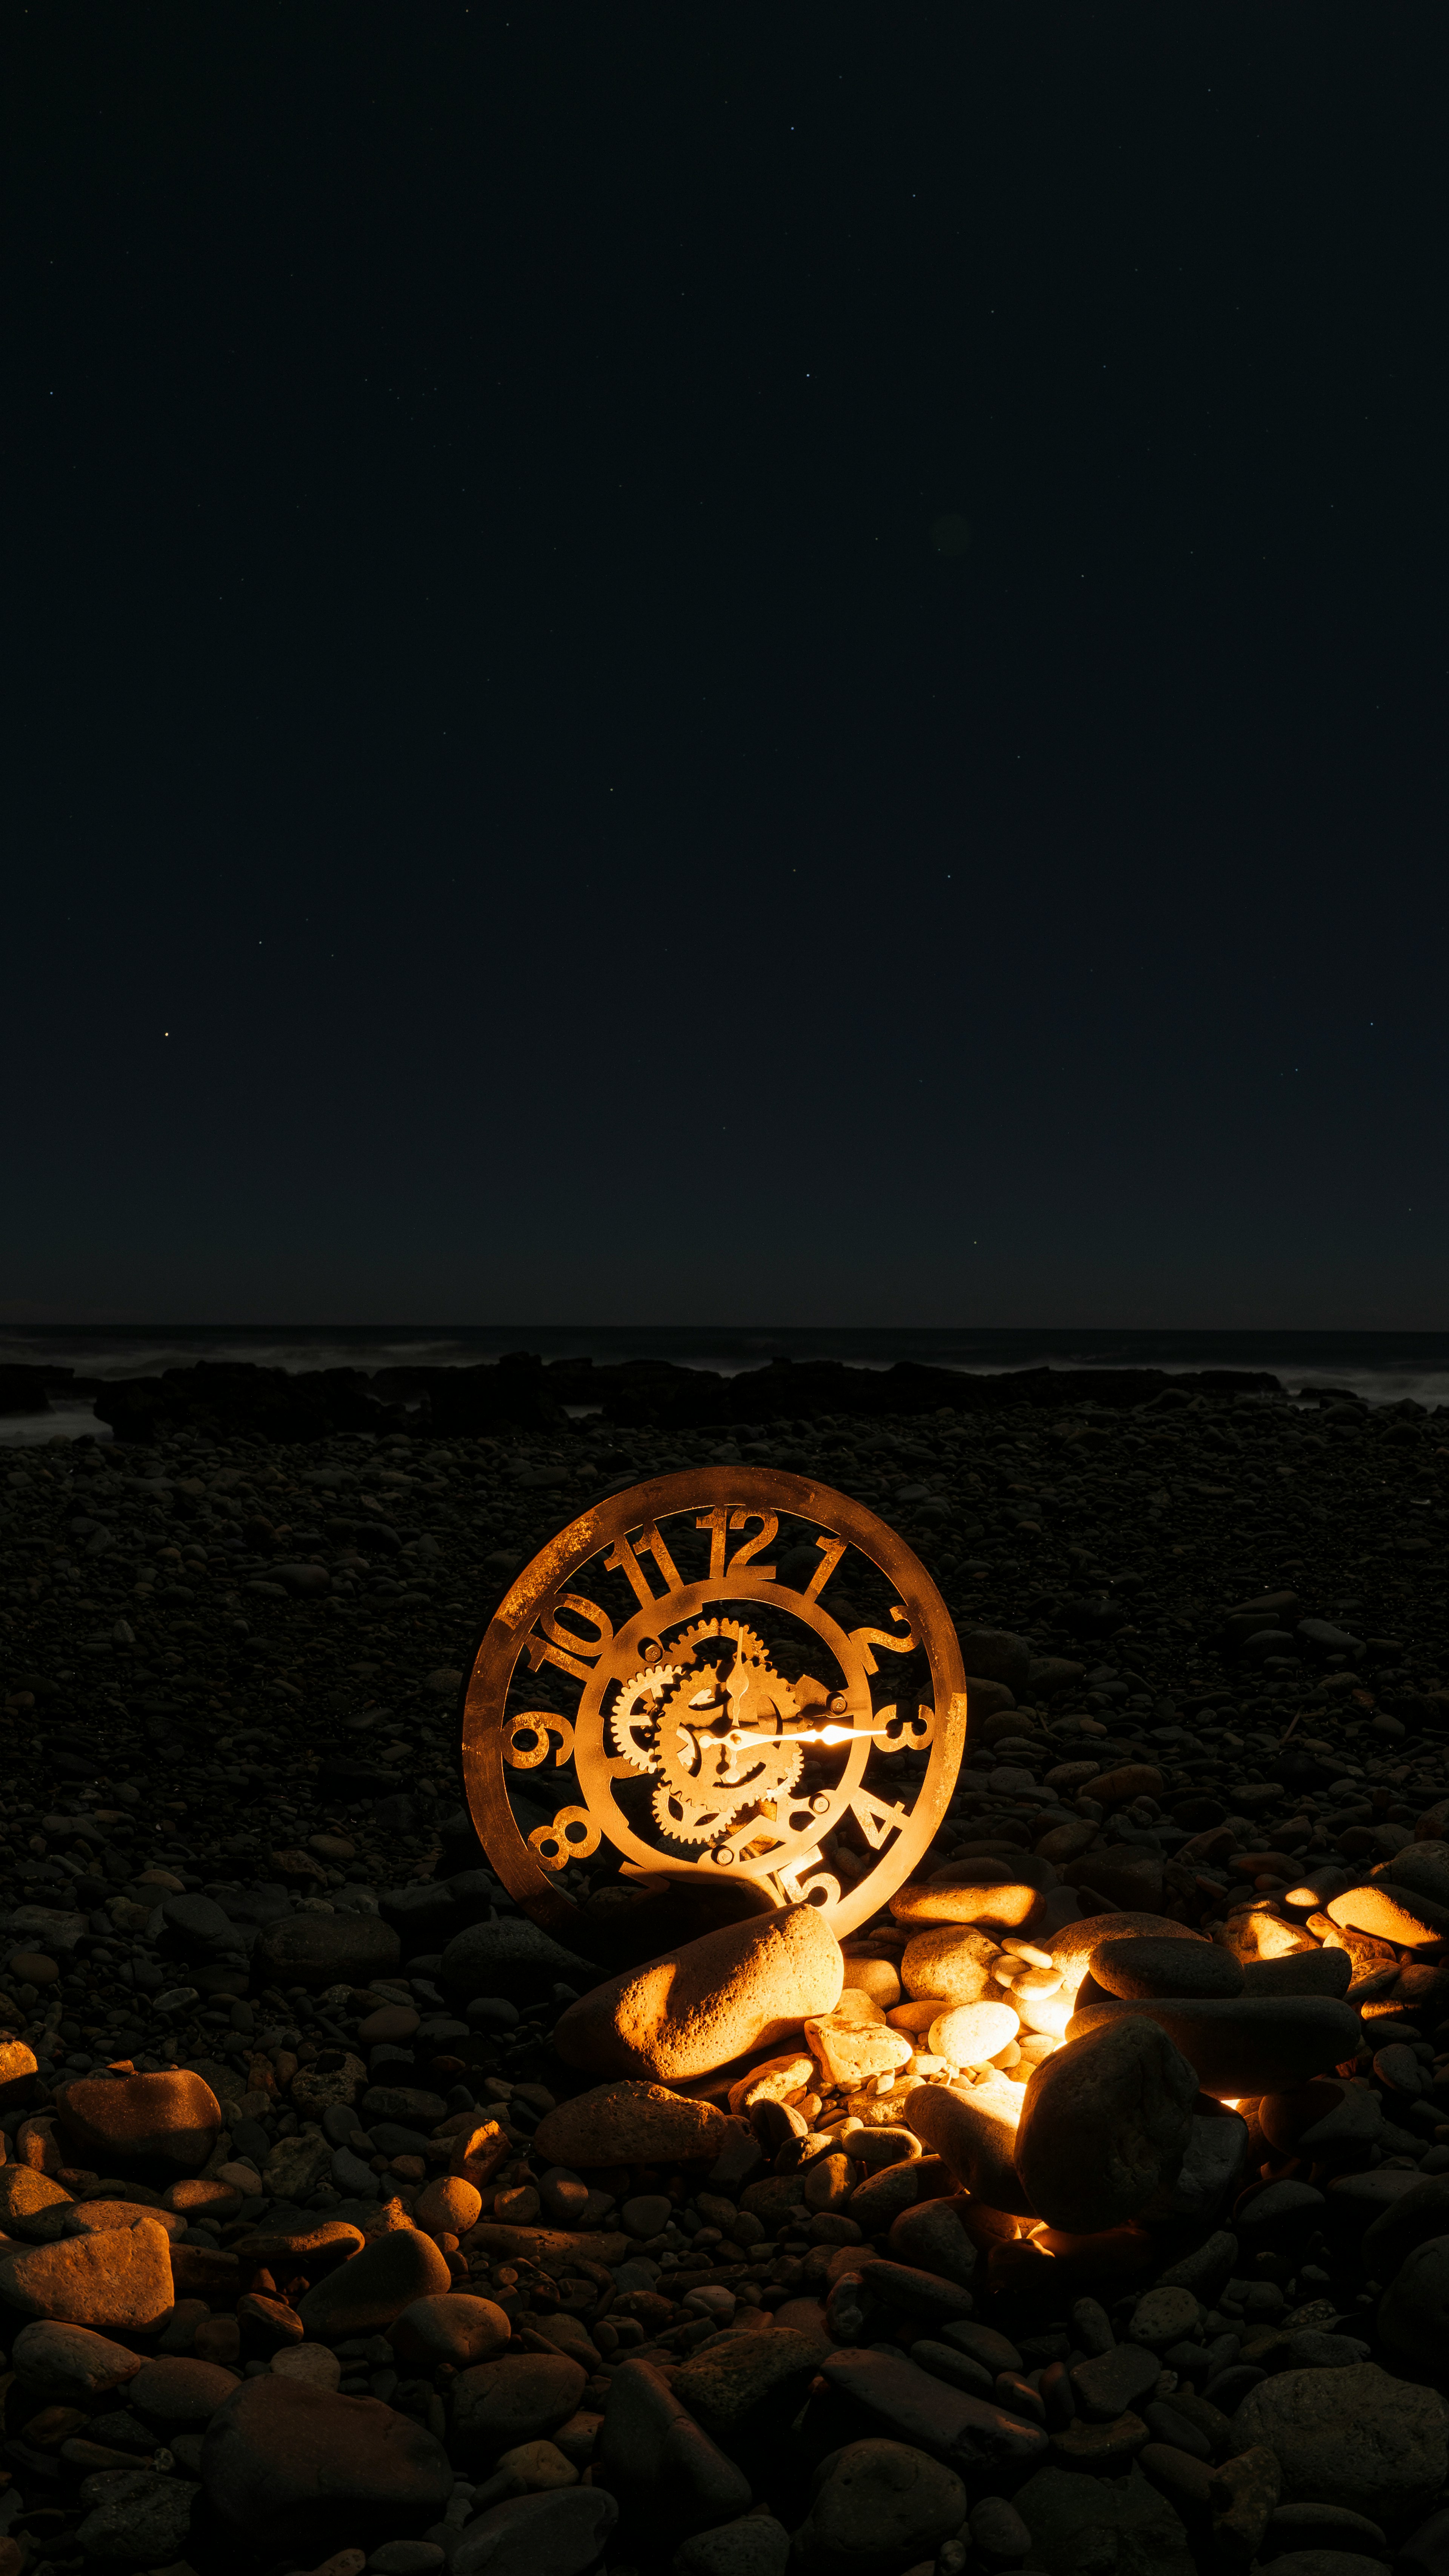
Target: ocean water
1380,1367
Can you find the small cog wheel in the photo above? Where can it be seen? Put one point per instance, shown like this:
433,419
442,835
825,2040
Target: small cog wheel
634,1718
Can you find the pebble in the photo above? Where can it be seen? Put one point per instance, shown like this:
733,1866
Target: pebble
450,2327
518,2398
295,2468
1358,2437
753,2544
950,1964
879,2503
366,2294
1243,2044
630,2123
1105,2125
660,2462
562,2534
975,2135
1155,1967
171,2119
136,2516
70,2363
117,2281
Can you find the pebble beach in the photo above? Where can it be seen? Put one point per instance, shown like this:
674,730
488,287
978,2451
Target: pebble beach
1093,2209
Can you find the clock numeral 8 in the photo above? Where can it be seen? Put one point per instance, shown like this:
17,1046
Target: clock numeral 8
573,1835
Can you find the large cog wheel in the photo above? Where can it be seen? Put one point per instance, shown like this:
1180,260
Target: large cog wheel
700,1768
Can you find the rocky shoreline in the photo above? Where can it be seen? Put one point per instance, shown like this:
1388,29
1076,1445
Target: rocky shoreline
1096,2212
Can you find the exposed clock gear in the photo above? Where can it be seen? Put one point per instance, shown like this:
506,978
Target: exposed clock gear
793,1785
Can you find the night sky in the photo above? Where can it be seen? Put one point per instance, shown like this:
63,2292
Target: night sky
726,663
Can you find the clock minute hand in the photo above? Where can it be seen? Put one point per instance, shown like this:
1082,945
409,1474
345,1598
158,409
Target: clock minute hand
740,1737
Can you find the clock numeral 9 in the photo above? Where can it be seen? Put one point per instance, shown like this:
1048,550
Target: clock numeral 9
526,1739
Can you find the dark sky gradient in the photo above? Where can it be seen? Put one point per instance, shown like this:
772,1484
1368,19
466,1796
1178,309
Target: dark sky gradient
481,676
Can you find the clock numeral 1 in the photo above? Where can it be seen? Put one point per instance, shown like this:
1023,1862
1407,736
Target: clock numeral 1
716,1522
833,1549
624,1559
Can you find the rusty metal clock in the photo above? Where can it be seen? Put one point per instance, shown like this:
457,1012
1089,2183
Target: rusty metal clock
727,1674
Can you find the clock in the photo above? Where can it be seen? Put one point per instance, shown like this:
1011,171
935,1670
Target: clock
730,1676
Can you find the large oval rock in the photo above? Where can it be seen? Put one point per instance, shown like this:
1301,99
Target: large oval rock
364,2296
70,2363
1251,2044
747,1986
880,2506
974,2134
1105,2125
301,2470
117,2281
1355,2437
110,2121
629,2123
326,1950
512,1958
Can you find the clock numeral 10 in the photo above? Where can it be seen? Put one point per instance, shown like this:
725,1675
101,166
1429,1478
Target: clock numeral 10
563,1646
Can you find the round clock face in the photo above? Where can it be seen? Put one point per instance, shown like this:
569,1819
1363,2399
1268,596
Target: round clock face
724,1675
